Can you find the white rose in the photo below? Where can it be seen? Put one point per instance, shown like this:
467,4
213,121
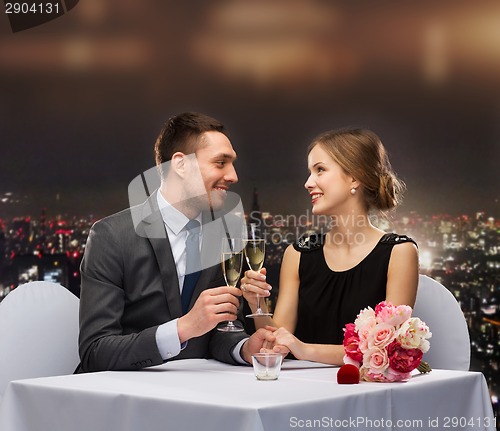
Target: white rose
413,334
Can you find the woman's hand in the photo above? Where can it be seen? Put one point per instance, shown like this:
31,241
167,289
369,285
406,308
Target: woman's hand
253,284
284,340
270,345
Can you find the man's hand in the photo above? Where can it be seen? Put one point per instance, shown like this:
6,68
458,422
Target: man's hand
212,307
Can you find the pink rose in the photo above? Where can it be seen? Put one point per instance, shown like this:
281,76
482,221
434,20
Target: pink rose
381,335
403,360
396,376
389,376
376,360
369,376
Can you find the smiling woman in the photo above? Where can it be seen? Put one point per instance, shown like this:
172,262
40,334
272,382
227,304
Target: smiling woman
326,279
360,155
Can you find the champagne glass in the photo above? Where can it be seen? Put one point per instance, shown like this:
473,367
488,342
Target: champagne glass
232,261
255,250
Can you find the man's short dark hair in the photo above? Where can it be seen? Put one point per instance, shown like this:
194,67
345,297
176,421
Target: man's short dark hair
182,133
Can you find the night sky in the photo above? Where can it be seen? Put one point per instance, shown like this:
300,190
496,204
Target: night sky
82,98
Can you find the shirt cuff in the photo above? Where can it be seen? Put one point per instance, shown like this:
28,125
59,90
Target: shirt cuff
167,340
236,352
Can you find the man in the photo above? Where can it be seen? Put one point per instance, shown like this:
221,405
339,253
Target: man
135,269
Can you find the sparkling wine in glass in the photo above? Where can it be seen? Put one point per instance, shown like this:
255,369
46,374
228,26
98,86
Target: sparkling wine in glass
255,250
232,262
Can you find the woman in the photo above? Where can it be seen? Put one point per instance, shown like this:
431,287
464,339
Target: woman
326,280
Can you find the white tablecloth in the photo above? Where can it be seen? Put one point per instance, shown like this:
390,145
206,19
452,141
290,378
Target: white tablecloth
207,395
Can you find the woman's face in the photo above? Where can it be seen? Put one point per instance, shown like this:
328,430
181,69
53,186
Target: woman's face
328,184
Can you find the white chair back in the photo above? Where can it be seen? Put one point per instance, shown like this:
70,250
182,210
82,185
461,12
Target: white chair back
38,332
450,342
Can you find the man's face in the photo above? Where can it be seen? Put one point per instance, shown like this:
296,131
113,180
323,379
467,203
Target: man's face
215,159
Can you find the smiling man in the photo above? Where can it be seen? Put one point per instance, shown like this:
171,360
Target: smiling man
142,302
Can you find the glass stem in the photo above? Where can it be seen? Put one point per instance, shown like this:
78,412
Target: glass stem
259,310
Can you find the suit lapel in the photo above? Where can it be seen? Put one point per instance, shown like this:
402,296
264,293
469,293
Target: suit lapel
157,235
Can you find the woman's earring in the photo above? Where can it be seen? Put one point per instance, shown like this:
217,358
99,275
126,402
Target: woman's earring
353,191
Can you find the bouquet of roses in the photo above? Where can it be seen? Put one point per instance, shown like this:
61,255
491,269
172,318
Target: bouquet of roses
386,344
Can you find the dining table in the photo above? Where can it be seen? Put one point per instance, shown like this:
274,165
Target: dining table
204,394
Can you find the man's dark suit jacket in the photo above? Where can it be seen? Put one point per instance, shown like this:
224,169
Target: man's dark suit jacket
130,287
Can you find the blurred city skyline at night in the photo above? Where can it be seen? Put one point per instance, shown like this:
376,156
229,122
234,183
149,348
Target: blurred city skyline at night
83,97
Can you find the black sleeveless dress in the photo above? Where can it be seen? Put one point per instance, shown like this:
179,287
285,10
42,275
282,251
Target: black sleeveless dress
328,300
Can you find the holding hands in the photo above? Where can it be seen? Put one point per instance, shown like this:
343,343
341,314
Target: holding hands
263,341
257,342
284,342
